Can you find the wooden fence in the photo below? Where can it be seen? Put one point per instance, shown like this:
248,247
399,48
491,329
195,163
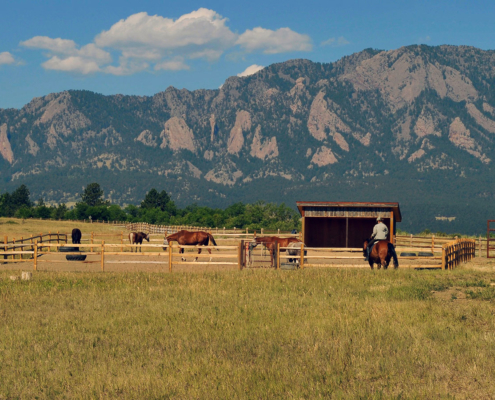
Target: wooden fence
230,255
9,247
453,254
169,229
435,243
457,252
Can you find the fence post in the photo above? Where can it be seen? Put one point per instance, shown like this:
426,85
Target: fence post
122,241
301,260
13,248
444,254
239,255
35,257
479,246
5,240
278,255
433,244
58,237
103,255
410,241
170,257
92,236
31,240
49,240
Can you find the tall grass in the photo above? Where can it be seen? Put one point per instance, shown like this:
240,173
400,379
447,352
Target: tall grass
250,334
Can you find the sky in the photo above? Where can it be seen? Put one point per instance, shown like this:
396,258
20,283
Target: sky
143,47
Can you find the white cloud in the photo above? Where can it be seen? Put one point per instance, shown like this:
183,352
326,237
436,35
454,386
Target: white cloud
425,39
6,58
272,42
335,42
58,45
251,70
64,55
143,41
172,65
198,30
71,64
126,67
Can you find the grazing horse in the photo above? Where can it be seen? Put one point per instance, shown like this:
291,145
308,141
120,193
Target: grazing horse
137,238
76,236
381,253
186,238
270,243
295,250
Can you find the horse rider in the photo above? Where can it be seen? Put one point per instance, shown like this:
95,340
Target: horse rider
380,232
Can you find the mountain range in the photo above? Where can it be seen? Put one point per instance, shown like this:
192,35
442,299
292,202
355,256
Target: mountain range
414,125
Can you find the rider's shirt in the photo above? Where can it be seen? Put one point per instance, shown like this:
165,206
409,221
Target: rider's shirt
380,232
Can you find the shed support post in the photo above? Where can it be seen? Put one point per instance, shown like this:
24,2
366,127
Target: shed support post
392,233
303,238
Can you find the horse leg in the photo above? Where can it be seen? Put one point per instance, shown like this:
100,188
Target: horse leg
182,252
199,252
370,263
209,251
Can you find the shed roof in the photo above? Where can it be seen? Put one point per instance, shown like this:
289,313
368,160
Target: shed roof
338,205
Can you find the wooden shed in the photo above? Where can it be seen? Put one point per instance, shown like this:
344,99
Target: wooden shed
344,224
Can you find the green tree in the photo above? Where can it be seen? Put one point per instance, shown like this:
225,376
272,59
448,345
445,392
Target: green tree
153,199
20,197
93,195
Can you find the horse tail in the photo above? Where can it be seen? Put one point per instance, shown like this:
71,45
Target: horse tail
391,249
212,240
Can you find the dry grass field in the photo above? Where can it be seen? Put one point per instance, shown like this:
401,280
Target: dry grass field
259,333
14,227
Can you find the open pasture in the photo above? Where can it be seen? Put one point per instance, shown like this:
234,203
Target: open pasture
319,333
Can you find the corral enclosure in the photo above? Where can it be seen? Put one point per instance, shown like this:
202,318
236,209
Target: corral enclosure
344,224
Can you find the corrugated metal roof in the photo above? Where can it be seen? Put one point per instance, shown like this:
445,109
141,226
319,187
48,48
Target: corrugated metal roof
335,205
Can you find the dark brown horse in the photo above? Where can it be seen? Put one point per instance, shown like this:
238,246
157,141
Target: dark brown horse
76,236
137,238
270,243
381,254
186,238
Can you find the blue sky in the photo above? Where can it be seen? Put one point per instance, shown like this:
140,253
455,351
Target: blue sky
142,47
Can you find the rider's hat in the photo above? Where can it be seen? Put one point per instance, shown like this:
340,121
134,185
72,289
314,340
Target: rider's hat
379,219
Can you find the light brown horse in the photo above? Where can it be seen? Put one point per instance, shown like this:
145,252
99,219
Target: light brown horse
381,253
187,238
270,243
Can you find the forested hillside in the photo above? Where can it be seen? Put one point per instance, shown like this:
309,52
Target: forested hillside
414,125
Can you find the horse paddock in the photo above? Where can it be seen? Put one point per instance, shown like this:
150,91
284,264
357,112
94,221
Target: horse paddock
226,260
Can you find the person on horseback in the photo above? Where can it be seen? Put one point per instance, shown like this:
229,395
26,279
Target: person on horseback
380,232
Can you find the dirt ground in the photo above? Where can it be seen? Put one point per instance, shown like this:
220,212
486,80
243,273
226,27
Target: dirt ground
131,262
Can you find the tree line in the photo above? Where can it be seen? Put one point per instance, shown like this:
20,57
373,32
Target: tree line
156,208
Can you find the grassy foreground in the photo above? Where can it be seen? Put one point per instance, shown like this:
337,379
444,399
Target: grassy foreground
251,334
